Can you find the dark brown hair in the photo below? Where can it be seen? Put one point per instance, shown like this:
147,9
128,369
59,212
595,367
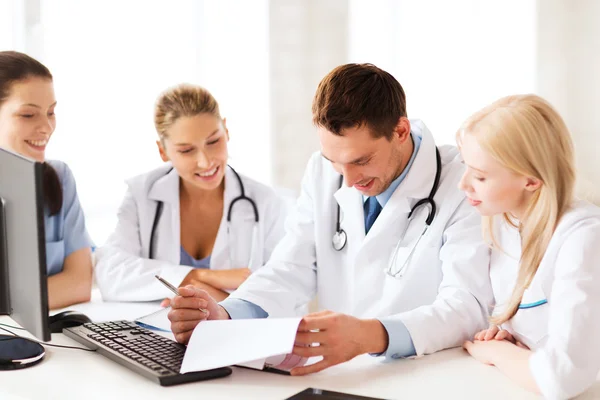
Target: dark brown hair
17,67
355,95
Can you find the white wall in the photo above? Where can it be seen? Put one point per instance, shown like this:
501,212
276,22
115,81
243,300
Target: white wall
568,75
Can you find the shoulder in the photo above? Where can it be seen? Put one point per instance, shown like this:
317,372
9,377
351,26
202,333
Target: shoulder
64,173
261,192
143,182
581,217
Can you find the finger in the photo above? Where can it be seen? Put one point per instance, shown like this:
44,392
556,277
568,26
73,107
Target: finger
184,314
317,322
194,303
502,335
311,369
521,345
304,351
479,335
191,291
184,337
183,326
308,338
467,346
165,303
491,333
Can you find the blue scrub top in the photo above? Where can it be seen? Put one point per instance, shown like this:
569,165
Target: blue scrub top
65,231
186,259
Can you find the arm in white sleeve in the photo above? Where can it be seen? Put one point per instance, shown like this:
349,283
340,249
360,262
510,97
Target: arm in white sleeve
461,306
569,361
288,280
123,273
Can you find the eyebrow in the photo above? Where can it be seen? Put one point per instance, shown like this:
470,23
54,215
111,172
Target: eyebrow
356,161
476,169
209,136
36,106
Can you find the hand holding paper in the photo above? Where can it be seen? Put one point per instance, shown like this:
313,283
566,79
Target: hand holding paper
215,344
337,338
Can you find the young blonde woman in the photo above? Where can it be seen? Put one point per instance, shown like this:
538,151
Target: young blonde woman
545,270
27,122
194,220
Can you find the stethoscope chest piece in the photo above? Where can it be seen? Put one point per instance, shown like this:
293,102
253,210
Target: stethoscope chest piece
339,240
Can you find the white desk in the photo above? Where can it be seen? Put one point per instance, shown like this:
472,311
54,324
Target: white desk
75,374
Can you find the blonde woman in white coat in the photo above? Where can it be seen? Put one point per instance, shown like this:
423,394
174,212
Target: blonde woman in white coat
173,221
545,332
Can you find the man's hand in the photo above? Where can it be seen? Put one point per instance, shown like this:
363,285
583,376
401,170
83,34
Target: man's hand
337,338
186,314
222,279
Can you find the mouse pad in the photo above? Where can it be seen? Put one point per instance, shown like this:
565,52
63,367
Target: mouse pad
17,352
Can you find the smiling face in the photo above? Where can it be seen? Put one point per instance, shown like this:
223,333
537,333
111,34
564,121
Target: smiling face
368,164
491,187
27,118
197,147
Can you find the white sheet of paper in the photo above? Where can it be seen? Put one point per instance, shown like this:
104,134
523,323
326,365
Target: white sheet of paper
216,344
157,320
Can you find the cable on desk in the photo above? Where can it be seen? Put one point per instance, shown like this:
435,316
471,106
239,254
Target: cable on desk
46,344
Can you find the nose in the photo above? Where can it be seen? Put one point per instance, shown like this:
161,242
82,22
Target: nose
203,161
350,175
46,126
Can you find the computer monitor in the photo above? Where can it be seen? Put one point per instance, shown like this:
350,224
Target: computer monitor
23,277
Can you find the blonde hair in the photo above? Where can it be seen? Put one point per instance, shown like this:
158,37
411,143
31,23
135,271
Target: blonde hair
526,134
183,100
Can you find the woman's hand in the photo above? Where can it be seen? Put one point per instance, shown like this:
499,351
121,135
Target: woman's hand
494,333
222,279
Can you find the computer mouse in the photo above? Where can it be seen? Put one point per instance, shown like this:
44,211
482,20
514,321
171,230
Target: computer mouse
67,319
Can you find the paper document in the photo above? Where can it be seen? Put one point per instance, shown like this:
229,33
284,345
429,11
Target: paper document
157,320
216,344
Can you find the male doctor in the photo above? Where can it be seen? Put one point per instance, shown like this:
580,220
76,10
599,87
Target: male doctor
390,287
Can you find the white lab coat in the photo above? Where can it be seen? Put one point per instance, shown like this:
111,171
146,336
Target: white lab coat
440,299
564,333
123,269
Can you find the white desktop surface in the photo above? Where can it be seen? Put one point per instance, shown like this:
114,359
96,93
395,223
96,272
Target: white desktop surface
76,374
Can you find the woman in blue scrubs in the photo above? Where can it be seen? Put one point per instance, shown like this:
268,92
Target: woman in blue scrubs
27,122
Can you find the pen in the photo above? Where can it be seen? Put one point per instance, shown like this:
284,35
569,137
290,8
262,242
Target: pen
174,290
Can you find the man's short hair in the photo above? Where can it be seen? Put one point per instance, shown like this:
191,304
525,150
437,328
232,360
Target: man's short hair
355,95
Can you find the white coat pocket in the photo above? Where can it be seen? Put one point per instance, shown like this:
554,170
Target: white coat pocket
530,323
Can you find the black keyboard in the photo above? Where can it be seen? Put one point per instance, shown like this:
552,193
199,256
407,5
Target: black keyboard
141,350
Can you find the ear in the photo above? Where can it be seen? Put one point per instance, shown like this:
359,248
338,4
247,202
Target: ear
161,151
532,184
224,122
402,130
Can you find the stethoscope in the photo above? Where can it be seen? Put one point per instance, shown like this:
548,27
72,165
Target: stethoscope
241,197
340,238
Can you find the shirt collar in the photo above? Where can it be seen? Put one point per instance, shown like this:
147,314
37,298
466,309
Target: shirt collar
384,197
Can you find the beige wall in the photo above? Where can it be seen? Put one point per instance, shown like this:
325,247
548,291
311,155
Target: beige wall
569,77
308,38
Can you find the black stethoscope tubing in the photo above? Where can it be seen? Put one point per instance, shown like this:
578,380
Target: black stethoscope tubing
242,197
340,238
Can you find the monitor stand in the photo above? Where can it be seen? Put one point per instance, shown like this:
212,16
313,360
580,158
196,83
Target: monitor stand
5,308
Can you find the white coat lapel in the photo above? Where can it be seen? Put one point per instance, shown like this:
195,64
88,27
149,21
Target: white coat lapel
167,236
352,219
415,186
